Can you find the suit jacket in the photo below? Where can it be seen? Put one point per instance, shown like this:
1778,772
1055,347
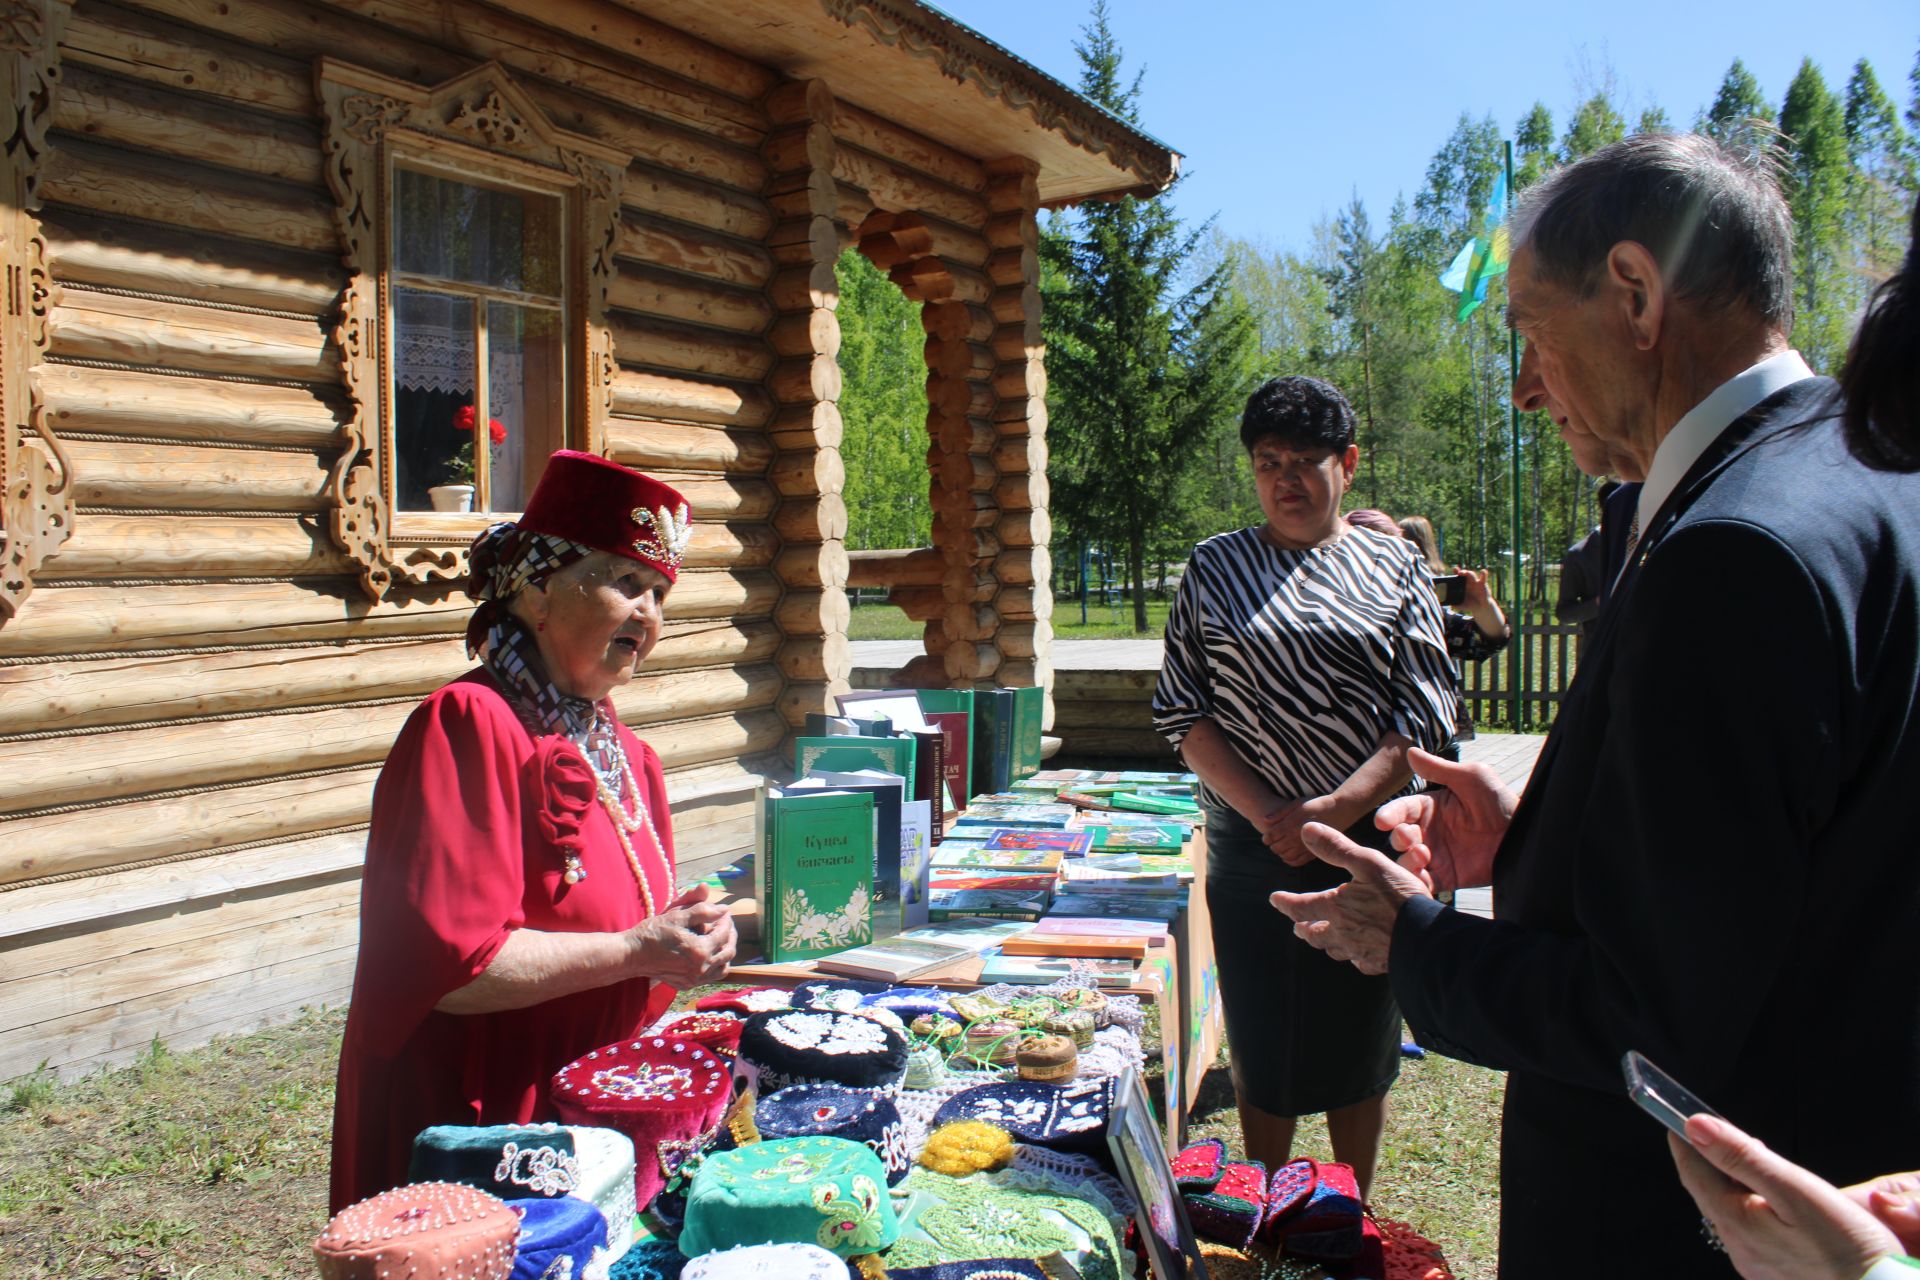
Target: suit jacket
1715,862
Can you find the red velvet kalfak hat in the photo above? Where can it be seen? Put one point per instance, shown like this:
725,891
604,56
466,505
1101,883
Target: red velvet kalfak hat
601,504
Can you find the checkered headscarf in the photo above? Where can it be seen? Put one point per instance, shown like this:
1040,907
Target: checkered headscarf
505,560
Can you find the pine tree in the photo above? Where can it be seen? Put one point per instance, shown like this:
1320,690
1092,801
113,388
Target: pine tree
883,404
1533,156
1654,120
1141,368
1352,286
1816,188
1736,108
1878,177
1595,124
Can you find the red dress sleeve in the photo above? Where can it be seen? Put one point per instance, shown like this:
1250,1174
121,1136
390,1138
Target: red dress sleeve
444,881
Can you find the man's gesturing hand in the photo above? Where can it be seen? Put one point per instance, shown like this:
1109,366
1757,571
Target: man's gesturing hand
1454,832
689,943
1355,921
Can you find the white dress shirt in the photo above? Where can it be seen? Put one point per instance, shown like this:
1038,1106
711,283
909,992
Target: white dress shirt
1701,425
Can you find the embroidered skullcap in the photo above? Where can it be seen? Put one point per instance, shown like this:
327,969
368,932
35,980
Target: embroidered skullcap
1315,1211
511,1161
563,1237
583,503
736,1129
606,1180
712,1029
844,994
767,1262
824,1191
1065,1117
428,1230
1051,1267
746,1000
831,1110
650,1260
909,1002
664,1093
820,1046
1232,1211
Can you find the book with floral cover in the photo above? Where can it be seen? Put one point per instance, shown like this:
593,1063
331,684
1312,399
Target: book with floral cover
816,873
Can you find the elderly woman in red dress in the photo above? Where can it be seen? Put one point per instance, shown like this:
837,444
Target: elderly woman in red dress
518,906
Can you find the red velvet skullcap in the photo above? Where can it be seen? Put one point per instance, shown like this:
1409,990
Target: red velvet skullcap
600,504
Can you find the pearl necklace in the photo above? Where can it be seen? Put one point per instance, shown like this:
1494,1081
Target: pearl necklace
624,823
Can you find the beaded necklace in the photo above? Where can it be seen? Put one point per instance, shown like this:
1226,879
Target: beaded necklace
611,774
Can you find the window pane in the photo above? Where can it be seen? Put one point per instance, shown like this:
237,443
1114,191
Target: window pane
479,235
526,385
434,353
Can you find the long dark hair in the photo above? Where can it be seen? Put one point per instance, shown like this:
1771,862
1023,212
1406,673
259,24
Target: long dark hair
1881,379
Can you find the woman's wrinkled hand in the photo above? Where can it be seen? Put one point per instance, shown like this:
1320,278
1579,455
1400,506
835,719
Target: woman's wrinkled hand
690,943
1281,828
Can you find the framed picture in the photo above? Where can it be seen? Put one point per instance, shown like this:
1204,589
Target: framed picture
1133,1137
902,706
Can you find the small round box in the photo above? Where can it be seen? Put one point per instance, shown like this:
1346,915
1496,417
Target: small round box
1049,1058
1075,1024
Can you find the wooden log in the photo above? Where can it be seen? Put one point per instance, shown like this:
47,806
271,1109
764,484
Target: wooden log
85,325
928,671
966,662
160,53
88,177
957,322
657,44
700,205
1024,565
1024,640
959,359
159,123
803,698
922,604
1018,306
804,241
798,148
677,446
724,737
670,296
821,518
796,288
916,567
1081,684
816,658
894,186
656,141
966,472
1017,455
1017,343
731,546
803,473
813,613
118,474
678,695
804,380
805,333
1075,713
77,620
122,402
1021,493
676,398
736,500
803,426
908,149
1024,529
1025,601
1020,381
957,433
86,251
121,546
692,251
639,339
960,395
125,690
1025,417
114,835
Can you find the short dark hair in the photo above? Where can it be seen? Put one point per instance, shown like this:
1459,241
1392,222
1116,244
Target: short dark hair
1305,413
1881,379
1712,216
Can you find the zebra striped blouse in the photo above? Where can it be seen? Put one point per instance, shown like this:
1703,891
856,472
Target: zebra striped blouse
1305,658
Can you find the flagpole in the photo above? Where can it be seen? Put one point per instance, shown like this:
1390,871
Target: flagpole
1517,714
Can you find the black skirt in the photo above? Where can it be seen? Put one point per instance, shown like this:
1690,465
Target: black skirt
1306,1033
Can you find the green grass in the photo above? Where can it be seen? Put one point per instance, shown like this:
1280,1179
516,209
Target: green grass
212,1164
1104,622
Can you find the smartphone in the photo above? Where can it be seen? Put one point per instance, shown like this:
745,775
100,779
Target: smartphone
1450,587
1660,1095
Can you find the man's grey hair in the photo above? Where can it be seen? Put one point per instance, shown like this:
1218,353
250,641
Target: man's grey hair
1713,217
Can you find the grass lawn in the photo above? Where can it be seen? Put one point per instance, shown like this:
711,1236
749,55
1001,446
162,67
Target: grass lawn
1104,622
212,1165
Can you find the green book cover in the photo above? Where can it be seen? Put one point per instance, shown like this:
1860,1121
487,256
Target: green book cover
1029,708
943,702
1143,838
816,866
846,754
992,739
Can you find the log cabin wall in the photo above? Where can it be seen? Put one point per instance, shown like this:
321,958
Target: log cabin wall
198,692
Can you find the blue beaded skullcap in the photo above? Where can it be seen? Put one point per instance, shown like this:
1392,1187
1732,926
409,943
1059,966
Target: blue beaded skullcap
909,1002
841,993
551,1230
512,1161
858,1115
1064,1117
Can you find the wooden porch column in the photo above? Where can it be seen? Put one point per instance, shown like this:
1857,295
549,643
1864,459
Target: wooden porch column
1022,570
807,471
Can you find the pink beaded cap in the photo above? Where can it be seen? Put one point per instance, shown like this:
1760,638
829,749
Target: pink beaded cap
428,1231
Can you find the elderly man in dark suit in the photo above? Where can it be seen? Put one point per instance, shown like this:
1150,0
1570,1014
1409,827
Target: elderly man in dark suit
1715,862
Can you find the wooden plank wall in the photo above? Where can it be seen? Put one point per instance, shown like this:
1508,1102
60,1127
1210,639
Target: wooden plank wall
197,694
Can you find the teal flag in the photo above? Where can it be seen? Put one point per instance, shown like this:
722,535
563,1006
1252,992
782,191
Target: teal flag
1483,257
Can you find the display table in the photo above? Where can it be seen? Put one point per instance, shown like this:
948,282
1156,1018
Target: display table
1178,976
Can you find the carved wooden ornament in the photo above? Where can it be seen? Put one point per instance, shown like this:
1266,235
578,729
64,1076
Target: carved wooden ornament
36,475
485,123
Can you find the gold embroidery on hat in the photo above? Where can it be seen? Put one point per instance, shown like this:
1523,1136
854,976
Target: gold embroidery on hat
671,533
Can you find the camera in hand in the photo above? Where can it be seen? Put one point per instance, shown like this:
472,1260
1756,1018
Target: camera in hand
1450,587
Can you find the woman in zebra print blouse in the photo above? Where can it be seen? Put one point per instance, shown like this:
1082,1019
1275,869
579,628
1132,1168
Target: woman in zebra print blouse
1302,658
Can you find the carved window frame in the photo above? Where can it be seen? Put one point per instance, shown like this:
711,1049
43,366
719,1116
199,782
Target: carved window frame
482,124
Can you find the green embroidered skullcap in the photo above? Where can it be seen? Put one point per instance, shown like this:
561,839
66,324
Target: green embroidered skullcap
814,1190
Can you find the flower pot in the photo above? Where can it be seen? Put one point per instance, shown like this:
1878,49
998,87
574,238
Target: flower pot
451,497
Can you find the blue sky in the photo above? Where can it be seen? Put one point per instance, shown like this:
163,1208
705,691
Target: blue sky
1284,110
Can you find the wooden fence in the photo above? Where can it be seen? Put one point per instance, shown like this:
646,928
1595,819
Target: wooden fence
1542,664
